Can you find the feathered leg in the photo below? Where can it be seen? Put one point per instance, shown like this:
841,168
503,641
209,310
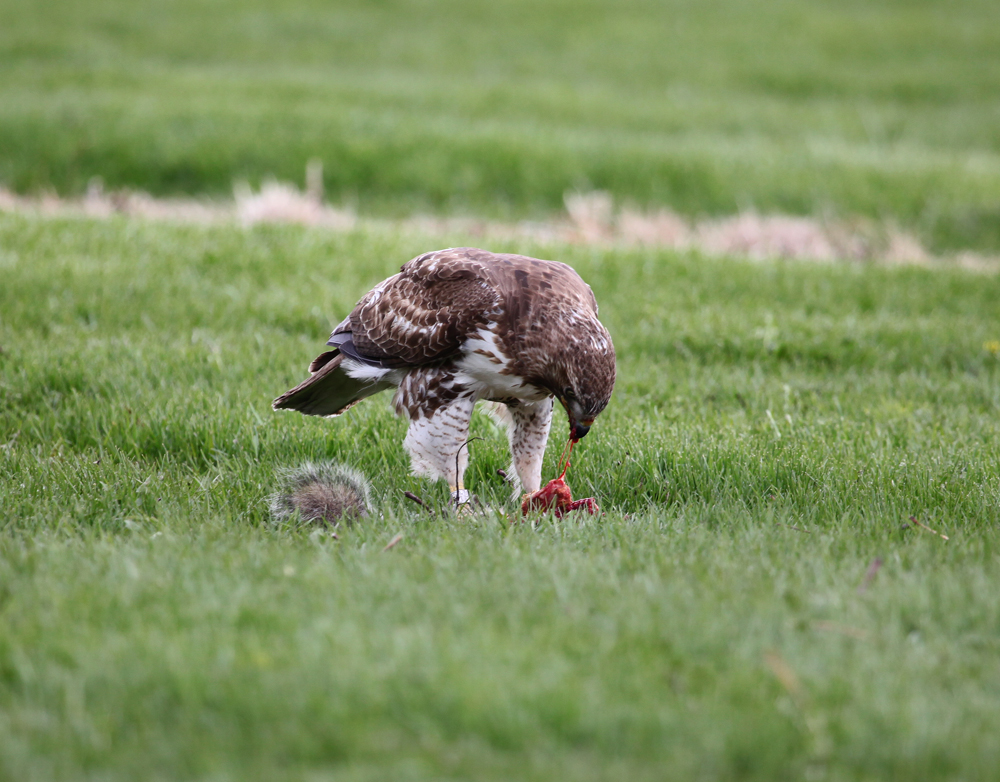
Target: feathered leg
529,431
437,437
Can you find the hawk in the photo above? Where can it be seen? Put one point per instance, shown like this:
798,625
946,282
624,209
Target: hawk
457,326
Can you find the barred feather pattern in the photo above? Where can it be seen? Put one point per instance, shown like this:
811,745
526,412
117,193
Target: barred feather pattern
461,325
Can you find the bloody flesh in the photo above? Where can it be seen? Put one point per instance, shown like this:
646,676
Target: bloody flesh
557,497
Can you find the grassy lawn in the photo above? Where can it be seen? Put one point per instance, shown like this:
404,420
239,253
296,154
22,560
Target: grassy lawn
885,110
774,428
796,572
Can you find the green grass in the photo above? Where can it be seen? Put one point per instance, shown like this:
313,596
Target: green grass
885,110
773,429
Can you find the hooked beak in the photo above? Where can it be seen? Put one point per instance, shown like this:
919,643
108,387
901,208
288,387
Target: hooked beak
577,428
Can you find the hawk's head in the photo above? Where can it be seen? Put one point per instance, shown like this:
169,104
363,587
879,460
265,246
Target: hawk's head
583,376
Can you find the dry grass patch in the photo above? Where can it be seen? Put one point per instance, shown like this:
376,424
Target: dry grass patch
590,219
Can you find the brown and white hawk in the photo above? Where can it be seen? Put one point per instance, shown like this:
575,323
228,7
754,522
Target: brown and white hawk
462,325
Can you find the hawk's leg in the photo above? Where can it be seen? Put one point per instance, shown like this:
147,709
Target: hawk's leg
529,431
438,434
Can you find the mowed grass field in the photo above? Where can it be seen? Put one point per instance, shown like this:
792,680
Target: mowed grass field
774,428
795,573
882,110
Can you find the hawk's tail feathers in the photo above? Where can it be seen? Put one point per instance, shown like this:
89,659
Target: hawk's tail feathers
322,360
330,391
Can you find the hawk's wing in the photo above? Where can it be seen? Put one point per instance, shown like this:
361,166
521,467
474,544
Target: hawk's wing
421,315
329,390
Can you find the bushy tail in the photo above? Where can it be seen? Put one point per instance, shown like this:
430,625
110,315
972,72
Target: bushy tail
330,391
325,492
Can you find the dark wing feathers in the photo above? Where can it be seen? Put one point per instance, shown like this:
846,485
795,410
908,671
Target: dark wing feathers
329,391
344,341
423,314
321,361
438,300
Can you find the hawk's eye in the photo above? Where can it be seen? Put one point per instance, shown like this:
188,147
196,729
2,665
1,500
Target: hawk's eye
568,394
